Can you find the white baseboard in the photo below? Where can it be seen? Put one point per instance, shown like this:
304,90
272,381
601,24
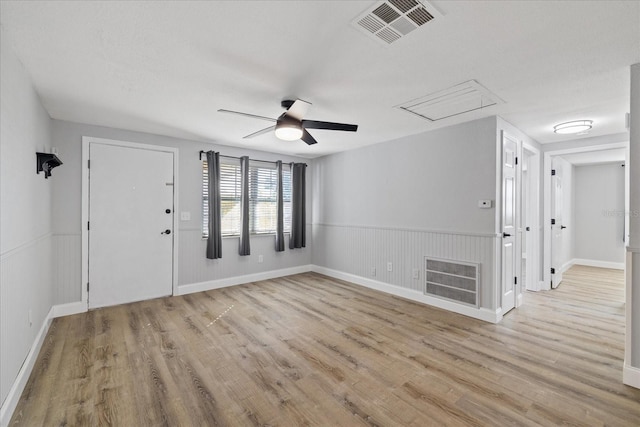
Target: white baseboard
69,309
239,280
10,403
477,313
567,265
596,263
631,375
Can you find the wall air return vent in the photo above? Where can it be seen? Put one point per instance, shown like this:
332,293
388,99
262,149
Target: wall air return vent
453,280
388,21
459,99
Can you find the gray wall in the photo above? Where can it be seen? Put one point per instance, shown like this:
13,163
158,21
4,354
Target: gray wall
401,200
430,181
599,213
193,267
25,217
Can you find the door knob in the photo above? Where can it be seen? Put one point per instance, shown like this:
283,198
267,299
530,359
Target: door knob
506,235
167,231
562,227
168,211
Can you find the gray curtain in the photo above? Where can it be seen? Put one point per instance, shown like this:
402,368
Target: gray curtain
279,210
214,241
298,210
245,248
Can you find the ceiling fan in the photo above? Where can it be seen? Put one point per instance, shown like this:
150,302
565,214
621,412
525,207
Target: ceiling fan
291,126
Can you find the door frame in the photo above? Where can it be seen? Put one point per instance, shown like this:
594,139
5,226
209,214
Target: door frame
546,269
86,143
517,288
534,282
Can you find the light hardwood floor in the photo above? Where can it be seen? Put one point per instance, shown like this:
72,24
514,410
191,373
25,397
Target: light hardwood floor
310,350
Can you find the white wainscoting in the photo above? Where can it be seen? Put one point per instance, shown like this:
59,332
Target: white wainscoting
26,297
357,250
67,268
195,268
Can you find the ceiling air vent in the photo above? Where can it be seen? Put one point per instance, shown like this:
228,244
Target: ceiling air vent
458,99
388,21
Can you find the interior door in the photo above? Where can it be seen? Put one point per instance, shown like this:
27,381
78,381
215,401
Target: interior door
130,224
556,226
525,220
509,222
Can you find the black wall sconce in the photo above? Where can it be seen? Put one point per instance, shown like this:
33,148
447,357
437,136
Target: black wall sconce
45,162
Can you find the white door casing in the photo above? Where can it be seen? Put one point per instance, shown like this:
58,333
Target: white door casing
509,221
130,234
556,227
530,218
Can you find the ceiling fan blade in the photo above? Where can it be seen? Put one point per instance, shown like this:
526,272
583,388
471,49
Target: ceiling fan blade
247,115
306,137
260,132
298,109
314,124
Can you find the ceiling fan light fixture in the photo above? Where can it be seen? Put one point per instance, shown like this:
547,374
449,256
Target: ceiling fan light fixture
576,126
288,131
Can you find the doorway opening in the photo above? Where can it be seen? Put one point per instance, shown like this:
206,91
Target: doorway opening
586,198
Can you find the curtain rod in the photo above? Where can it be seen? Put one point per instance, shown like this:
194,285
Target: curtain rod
238,158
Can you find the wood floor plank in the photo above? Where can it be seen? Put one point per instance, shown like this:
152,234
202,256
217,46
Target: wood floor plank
308,350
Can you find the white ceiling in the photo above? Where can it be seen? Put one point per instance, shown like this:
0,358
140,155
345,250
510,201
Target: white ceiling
166,67
616,155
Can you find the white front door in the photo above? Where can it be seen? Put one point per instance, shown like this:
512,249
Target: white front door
130,224
556,227
509,222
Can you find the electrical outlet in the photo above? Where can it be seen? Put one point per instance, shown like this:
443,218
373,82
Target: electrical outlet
260,258
389,266
416,273
373,272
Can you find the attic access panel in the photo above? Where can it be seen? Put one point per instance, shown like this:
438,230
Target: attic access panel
458,99
388,21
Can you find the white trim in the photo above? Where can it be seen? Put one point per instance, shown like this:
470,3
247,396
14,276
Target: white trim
84,245
68,309
630,375
86,141
533,259
10,403
240,280
500,208
627,374
597,263
23,246
477,313
567,265
421,230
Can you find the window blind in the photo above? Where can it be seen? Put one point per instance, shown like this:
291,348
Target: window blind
263,182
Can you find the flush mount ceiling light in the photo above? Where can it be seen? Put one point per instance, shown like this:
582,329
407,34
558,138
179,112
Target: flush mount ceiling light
576,126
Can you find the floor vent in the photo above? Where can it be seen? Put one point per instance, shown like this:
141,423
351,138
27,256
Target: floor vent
389,21
458,99
452,280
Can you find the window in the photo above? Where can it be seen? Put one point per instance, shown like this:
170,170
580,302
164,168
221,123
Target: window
263,184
